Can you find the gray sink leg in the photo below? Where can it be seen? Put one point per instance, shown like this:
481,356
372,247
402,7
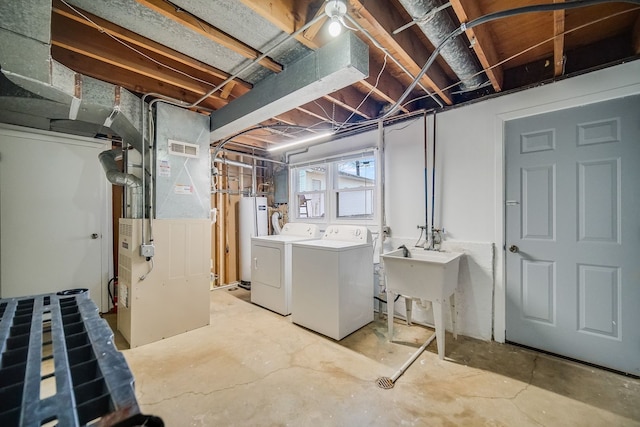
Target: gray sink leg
390,298
438,319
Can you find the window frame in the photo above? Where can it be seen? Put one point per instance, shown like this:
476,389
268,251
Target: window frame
331,192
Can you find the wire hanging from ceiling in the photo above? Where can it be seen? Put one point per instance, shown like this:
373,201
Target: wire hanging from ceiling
522,52
375,86
139,52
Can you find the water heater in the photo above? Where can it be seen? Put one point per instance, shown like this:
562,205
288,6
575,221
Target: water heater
254,221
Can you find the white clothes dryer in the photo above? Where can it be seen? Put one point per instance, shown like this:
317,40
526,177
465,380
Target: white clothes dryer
271,266
332,287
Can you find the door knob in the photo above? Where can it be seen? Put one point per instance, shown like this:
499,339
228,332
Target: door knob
513,249
94,236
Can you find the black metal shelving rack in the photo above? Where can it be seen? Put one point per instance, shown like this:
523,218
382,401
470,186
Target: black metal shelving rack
59,365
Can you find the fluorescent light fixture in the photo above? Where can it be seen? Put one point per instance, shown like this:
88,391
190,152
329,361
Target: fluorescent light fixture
300,141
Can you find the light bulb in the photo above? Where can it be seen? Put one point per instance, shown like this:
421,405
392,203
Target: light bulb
335,27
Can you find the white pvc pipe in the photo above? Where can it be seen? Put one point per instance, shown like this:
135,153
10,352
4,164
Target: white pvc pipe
275,221
412,359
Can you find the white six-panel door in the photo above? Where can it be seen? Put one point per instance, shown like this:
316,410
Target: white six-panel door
573,232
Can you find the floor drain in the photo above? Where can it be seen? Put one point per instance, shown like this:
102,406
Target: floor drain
384,382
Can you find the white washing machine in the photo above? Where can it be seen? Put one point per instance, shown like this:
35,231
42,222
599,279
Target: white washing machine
332,288
271,266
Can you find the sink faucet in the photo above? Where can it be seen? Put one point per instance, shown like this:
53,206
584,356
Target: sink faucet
405,251
436,239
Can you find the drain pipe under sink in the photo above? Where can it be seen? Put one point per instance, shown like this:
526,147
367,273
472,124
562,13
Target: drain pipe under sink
387,383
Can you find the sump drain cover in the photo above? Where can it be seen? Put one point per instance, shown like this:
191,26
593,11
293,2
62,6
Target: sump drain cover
384,382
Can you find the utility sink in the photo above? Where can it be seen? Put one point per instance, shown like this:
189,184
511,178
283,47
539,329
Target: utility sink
427,275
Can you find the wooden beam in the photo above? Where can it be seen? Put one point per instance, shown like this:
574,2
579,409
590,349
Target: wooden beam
380,19
226,90
138,41
129,80
325,110
311,33
350,98
389,89
207,30
558,41
635,37
73,36
291,15
482,41
249,141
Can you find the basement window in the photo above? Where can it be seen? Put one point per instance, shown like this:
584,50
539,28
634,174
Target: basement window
311,185
341,189
355,182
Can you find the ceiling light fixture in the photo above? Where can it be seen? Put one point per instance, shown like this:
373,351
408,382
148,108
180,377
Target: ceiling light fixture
300,141
335,10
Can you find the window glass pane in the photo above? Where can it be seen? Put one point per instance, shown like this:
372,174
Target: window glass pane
356,173
310,205
355,204
313,178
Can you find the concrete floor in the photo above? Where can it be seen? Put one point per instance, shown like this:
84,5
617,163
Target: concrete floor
252,367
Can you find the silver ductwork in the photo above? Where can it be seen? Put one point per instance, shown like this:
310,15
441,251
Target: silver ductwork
456,53
38,92
117,177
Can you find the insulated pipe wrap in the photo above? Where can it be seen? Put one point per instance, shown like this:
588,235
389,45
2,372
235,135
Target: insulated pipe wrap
456,53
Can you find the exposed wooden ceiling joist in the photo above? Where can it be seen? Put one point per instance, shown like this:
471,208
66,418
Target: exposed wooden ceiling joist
129,80
202,27
558,41
325,110
635,37
381,18
290,16
388,88
482,40
78,38
137,41
350,98
251,141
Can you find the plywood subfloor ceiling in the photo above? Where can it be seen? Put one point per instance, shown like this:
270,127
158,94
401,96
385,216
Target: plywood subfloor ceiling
184,48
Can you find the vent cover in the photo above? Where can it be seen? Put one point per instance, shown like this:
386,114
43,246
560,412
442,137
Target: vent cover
183,149
125,230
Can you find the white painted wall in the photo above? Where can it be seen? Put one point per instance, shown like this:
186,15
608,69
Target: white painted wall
469,182
54,195
470,157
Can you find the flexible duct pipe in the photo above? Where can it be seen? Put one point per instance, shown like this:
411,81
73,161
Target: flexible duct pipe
116,177
456,53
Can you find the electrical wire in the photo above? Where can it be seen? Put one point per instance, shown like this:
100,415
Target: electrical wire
139,52
144,276
399,103
111,297
331,117
398,63
595,21
419,238
375,86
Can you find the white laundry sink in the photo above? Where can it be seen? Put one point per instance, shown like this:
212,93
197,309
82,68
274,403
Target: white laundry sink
424,274
427,275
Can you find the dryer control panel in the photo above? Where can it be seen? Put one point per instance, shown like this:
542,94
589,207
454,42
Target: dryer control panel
301,229
348,233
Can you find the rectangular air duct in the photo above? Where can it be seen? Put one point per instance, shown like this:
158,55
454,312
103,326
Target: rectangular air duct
336,65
